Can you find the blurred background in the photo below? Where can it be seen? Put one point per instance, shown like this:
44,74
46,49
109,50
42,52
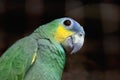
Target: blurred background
99,59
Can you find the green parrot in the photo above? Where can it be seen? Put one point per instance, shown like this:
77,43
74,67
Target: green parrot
42,54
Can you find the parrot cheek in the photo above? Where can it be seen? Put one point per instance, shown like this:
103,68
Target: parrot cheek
73,43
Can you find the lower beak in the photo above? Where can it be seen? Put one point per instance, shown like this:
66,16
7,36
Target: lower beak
73,43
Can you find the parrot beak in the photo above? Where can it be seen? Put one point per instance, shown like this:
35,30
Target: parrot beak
74,42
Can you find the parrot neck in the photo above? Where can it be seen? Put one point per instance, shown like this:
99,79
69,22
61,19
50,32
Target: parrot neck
46,31
49,62
51,58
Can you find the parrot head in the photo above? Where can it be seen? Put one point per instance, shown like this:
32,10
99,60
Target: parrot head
67,32
70,34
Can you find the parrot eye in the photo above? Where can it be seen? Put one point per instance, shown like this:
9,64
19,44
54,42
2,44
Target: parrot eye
67,22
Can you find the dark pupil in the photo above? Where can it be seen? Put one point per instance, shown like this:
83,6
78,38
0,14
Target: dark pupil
67,22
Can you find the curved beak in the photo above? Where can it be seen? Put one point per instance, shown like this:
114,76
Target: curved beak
74,42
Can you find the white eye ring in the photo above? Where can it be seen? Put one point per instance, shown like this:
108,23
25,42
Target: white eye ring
68,23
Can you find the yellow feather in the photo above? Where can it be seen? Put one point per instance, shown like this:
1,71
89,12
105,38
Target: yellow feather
62,33
34,57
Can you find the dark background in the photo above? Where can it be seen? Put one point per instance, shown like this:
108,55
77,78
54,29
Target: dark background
99,59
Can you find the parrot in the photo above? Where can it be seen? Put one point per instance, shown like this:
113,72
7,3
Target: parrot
41,55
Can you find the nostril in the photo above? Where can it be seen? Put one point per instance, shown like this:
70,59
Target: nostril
80,34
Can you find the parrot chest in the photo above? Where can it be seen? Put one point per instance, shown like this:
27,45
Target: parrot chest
44,71
49,63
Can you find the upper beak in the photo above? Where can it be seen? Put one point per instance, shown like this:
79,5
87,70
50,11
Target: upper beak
74,42
78,40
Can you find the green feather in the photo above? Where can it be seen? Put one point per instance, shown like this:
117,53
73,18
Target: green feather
17,59
15,63
49,63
